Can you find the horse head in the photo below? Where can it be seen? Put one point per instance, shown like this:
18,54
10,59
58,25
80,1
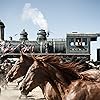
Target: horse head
35,76
39,73
20,68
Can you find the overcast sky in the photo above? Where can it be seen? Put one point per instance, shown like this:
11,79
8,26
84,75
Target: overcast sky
56,16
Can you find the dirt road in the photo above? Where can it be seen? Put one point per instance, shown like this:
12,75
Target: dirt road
12,93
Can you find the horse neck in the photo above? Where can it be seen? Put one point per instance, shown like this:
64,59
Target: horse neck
68,70
29,61
26,63
43,87
59,89
57,82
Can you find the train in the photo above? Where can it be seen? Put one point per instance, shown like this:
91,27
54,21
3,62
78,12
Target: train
74,44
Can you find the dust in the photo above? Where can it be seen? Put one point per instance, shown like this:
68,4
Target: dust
13,93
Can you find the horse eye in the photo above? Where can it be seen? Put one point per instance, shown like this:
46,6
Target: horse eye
18,63
32,70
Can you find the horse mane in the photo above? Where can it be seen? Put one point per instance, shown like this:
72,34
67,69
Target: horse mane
69,70
50,73
69,66
74,68
50,58
54,62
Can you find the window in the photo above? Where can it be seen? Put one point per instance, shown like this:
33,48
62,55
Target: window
78,42
84,42
71,41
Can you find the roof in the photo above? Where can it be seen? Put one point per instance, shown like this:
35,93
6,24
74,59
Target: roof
77,34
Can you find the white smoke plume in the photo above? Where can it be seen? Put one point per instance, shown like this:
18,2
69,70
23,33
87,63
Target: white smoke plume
35,15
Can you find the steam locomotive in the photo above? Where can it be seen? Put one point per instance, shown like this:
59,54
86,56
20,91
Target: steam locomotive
75,44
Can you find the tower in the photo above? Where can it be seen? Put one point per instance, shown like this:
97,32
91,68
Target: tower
2,26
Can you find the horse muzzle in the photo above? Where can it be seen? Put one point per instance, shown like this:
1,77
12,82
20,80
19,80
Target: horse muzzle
9,79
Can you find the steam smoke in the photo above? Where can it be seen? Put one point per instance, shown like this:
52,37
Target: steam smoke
35,15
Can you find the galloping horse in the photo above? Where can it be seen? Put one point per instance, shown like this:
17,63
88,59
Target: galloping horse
68,86
20,68
22,65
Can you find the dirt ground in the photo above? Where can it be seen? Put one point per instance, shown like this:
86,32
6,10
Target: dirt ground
12,93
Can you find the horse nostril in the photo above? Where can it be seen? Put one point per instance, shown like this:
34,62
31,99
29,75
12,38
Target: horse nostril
20,88
8,79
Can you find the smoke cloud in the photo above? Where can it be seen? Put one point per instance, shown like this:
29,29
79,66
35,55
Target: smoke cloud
35,15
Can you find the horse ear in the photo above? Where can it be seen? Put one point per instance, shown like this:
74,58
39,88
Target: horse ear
21,56
21,53
33,57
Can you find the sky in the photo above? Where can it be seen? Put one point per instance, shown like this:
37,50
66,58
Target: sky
56,16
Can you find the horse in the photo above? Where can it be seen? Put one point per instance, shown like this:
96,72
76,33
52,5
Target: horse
68,86
20,67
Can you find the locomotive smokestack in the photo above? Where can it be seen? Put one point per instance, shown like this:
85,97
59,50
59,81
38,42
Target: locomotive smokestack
23,35
41,35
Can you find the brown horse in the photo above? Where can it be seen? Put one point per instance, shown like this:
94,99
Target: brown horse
48,91
20,68
69,86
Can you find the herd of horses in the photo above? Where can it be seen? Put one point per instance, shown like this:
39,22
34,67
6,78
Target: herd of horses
58,79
